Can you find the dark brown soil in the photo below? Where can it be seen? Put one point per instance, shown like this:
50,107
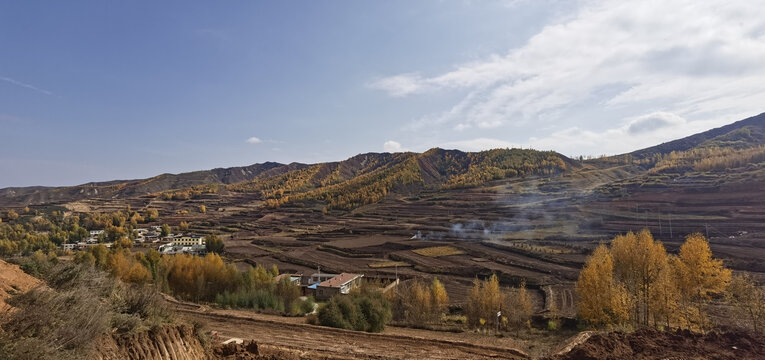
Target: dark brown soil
653,344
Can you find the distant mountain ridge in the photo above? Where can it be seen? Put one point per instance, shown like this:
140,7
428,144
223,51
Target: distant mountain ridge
738,139
126,188
358,176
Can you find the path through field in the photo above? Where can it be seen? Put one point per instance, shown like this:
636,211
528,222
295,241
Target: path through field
319,341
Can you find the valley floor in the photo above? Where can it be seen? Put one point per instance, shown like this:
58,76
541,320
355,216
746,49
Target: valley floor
309,341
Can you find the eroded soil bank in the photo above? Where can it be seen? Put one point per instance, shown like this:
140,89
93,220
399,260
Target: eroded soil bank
653,344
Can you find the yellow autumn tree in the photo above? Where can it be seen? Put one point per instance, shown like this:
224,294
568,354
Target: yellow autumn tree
749,300
698,276
124,266
519,307
664,298
485,300
418,303
638,262
439,299
601,300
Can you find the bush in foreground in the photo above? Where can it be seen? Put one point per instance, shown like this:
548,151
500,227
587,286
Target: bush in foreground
368,311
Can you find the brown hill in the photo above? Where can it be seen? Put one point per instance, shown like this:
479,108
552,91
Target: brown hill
20,196
740,134
13,281
433,168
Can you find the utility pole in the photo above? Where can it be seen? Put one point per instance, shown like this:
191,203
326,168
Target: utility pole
661,231
646,219
706,226
670,226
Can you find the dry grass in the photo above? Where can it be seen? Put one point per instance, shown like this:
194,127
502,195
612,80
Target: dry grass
438,251
388,264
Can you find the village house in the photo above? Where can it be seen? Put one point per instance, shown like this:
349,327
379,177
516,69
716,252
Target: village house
315,278
340,284
173,248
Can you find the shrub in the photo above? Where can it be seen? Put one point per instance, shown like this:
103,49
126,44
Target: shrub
81,303
368,311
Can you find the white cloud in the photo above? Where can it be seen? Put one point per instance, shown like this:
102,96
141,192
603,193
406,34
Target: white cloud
478,144
254,140
697,60
25,85
636,132
393,146
399,85
461,127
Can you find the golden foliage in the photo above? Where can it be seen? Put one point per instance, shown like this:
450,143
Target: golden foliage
519,308
503,163
418,303
484,301
638,263
637,280
601,300
192,192
698,276
709,159
368,179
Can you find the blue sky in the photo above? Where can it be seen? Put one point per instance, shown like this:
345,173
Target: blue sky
100,90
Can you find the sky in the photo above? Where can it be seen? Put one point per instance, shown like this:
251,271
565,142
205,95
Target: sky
102,90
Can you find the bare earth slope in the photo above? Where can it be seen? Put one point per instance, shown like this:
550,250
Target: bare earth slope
13,281
653,344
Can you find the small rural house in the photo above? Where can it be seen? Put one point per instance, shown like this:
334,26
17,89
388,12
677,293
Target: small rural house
340,284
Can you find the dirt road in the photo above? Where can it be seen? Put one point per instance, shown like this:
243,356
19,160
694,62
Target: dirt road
323,342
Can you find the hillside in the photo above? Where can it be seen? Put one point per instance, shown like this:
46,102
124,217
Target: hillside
368,177
19,196
356,181
13,281
740,134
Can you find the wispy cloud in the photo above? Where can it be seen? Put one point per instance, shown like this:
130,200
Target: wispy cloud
254,140
617,56
25,85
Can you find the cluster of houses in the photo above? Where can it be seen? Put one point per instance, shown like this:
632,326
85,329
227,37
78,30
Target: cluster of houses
93,239
173,243
184,244
323,286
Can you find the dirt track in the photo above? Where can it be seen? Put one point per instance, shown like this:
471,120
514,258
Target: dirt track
318,341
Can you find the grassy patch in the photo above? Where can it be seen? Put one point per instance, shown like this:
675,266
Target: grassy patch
387,264
438,251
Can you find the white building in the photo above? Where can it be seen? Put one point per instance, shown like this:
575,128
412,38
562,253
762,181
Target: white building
189,240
